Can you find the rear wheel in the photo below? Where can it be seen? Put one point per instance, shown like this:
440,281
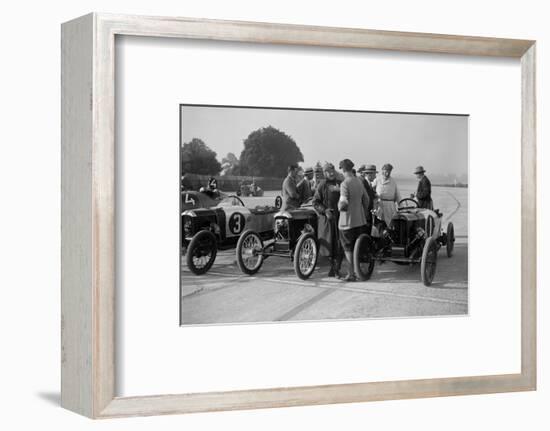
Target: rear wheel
249,249
201,252
363,257
429,261
305,256
450,239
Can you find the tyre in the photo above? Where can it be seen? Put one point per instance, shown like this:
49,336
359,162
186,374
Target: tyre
305,256
450,239
429,261
249,248
363,257
201,252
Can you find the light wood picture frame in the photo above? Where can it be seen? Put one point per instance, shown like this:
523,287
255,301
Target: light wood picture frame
88,214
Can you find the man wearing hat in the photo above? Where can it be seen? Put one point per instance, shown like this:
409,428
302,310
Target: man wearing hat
354,207
304,185
388,194
291,198
424,190
325,202
367,175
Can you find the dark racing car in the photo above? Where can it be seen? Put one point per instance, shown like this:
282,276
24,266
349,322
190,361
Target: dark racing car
249,188
294,236
204,231
414,236
201,199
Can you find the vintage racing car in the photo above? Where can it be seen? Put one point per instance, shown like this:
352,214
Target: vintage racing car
414,236
294,236
249,188
204,231
197,199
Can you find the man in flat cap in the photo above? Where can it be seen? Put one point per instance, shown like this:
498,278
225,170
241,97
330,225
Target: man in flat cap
367,175
388,194
325,202
424,190
291,198
304,184
354,207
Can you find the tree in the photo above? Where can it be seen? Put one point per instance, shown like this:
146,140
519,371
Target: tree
198,158
267,153
230,165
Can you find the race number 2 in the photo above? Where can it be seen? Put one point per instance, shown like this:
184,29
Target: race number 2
236,223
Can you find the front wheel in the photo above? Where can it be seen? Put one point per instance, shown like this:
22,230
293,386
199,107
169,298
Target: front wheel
428,262
305,256
450,239
201,252
363,257
249,249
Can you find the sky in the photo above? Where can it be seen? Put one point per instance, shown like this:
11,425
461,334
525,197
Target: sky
437,142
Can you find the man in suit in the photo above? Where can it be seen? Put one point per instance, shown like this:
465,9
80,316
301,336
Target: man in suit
354,206
424,190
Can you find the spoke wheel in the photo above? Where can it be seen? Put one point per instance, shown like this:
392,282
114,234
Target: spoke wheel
249,252
201,252
363,257
450,239
429,261
305,256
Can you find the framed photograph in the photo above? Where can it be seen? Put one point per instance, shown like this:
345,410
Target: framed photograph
264,215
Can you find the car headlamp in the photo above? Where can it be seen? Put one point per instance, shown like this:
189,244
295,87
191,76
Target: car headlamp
187,226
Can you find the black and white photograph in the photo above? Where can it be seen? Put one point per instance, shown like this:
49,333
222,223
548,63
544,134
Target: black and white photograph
307,214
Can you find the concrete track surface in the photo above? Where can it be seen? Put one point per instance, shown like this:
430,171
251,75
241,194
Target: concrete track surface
276,294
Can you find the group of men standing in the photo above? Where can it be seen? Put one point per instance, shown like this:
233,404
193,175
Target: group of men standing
346,206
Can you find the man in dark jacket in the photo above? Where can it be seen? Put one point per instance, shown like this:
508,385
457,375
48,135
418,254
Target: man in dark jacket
365,171
291,198
424,190
303,185
325,202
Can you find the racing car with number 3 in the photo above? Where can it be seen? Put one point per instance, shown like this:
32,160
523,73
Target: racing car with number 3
204,231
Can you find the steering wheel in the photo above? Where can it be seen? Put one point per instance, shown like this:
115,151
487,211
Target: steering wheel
410,204
308,202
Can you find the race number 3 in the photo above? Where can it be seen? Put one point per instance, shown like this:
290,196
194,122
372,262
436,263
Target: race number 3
236,223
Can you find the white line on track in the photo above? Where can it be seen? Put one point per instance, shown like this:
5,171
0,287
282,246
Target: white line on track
447,218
